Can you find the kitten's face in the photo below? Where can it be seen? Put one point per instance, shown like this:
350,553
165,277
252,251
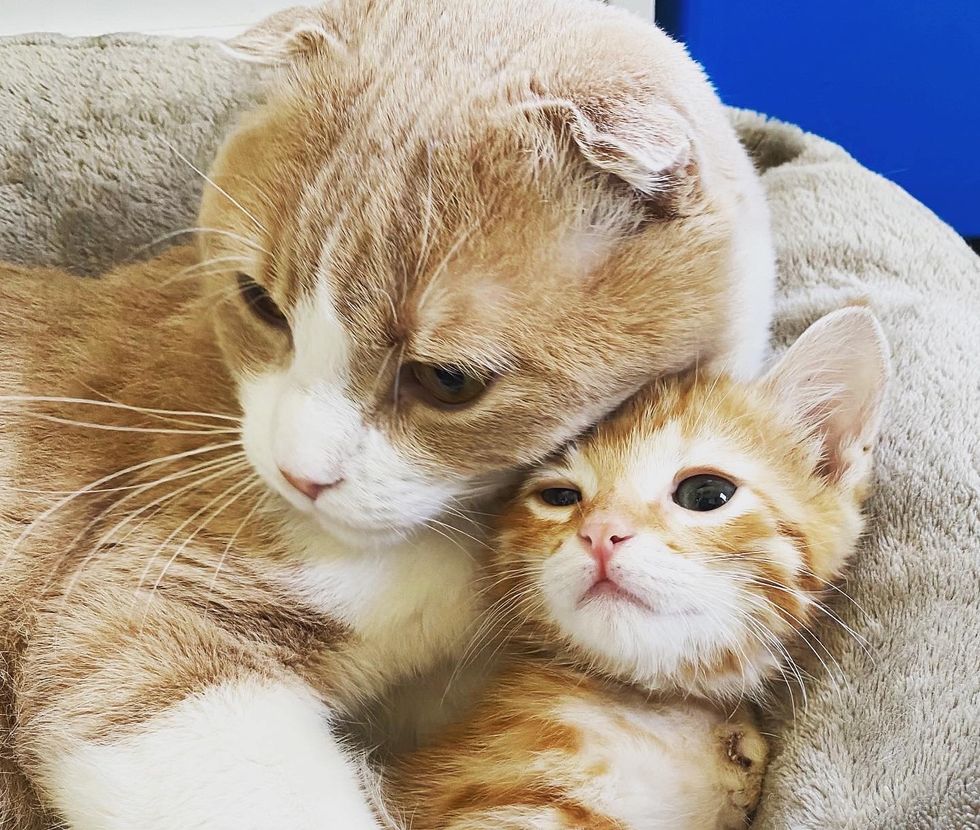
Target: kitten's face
418,295
686,540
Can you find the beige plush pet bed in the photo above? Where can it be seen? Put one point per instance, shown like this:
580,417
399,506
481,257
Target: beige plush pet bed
91,134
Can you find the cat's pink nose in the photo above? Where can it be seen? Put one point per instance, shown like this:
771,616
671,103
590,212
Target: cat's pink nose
602,535
310,489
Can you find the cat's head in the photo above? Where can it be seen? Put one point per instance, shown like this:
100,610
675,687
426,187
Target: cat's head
448,243
689,538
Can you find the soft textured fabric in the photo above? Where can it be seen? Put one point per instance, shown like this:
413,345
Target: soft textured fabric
91,138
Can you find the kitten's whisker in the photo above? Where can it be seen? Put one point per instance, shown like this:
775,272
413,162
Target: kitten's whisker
54,419
197,229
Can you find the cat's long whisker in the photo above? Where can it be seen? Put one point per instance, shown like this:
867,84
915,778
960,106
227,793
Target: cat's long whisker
54,419
803,635
481,542
216,186
197,229
236,486
115,405
779,663
201,476
487,627
814,602
231,542
205,268
43,516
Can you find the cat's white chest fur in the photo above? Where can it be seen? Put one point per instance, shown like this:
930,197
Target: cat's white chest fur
407,606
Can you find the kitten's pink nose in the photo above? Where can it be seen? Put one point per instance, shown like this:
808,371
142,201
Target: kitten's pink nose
310,489
602,534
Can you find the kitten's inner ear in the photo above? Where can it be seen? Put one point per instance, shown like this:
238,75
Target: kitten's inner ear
643,142
287,36
833,378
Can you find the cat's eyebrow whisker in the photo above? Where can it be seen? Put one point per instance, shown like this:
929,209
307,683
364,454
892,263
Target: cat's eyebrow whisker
216,186
198,229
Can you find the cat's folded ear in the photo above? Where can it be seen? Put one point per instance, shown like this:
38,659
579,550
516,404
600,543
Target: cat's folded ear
632,135
833,379
287,36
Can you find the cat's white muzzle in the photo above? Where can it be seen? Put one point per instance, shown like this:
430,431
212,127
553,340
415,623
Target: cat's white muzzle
366,489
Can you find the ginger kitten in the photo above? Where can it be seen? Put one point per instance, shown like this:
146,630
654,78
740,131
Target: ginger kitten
234,481
655,574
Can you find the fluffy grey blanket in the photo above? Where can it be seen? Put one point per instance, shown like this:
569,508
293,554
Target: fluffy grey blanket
889,734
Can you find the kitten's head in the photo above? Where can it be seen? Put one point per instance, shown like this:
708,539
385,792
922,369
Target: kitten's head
689,537
455,236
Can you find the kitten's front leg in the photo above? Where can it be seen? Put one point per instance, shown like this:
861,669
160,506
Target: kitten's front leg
134,744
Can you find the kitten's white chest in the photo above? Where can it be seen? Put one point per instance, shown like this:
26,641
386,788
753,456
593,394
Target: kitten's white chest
407,606
651,768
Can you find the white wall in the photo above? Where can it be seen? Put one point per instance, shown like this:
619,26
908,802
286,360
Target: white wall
214,18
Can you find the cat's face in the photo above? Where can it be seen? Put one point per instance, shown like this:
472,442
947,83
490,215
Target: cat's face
692,534
429,284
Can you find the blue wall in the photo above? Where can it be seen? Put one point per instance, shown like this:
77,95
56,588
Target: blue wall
896,82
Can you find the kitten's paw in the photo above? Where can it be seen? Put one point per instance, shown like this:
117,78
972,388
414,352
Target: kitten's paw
744,755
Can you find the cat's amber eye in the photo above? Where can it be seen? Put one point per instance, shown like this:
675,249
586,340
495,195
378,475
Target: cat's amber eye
447,385
260,303
704,492
560,496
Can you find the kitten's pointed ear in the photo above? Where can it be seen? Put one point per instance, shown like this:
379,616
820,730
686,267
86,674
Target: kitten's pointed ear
287,36
636,138
833,378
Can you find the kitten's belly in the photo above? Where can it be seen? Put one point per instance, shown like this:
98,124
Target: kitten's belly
656,766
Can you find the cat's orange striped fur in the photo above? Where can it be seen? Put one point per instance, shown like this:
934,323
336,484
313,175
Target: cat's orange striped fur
234,481
655,575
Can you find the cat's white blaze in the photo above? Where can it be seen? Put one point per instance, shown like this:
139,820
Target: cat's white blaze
240,756
321,346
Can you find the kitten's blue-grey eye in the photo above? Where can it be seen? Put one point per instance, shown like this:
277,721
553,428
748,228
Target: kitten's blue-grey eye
560,496
704,492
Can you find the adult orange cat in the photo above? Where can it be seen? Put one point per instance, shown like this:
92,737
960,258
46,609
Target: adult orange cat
455,235
650,577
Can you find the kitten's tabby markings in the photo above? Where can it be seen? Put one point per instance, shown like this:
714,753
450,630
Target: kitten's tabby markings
400,214
656,573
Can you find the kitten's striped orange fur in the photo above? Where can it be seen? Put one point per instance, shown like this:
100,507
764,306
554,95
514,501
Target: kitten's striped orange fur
642,617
